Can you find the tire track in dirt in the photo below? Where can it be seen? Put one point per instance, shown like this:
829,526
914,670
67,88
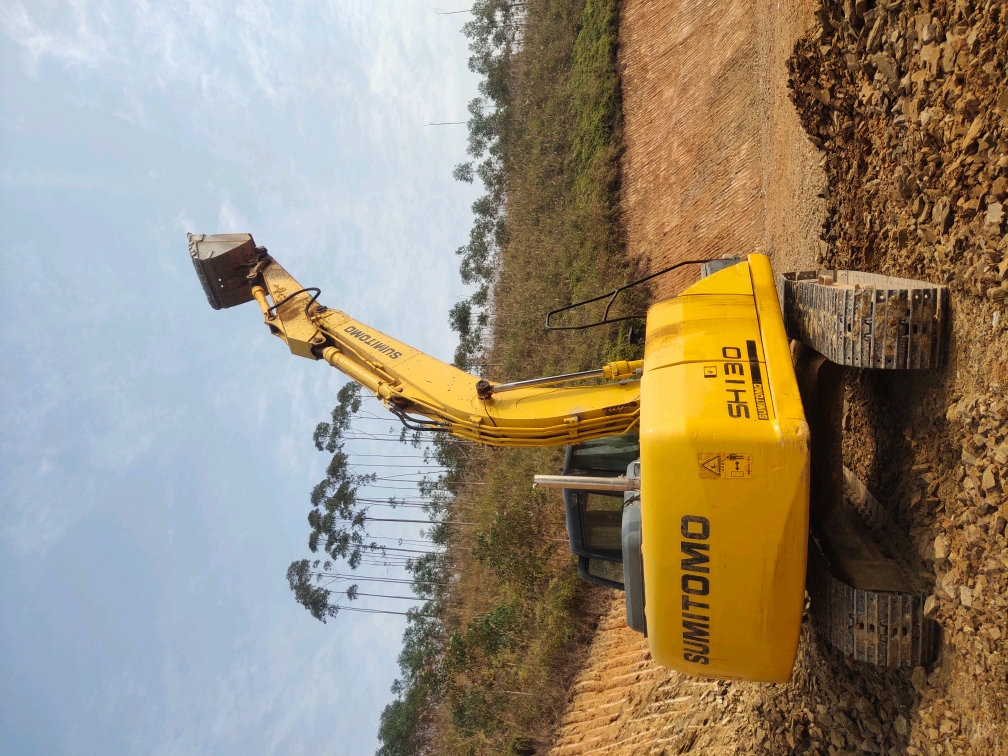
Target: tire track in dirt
624,703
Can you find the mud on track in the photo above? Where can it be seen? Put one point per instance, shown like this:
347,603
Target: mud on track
909,150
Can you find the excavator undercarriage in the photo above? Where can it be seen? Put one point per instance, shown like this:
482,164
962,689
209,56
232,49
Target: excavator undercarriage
869,605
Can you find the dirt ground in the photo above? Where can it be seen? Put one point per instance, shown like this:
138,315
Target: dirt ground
716,161
906,117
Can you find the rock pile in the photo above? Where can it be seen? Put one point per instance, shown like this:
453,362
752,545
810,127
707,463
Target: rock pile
908,102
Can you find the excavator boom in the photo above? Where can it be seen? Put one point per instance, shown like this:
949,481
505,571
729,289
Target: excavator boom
424,392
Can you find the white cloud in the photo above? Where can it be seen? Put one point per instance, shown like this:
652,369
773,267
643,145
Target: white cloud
304,122
135,112
72,38
229,219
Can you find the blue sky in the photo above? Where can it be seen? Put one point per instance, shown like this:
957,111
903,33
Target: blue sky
156,455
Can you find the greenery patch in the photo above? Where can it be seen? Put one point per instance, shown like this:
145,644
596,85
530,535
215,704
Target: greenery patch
488,658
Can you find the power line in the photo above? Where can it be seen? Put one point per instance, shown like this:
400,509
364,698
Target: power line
395,501
390,488
402,540
372,579
395,548
395,505
410,486
419,480
400,562
375,438
370,611
399,478
383,456
401,467
422,522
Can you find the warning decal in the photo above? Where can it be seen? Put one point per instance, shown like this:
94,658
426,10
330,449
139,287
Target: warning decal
724,465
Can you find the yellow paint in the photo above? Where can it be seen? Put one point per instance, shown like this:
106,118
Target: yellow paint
622,369
415,383
699,395
758,524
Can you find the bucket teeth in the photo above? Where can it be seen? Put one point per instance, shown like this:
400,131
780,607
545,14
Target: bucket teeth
222,262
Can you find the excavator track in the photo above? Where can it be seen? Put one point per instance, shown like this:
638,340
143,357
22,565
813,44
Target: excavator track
870,606
883,627
865,320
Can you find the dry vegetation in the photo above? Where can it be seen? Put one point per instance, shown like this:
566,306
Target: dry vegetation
562,243
501,645
908,105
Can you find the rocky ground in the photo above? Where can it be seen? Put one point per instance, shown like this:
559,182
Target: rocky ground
907,107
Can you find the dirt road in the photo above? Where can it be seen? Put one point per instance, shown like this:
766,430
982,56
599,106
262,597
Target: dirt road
716,161
910,111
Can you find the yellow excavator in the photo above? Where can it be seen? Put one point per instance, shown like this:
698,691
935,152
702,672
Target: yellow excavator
691,474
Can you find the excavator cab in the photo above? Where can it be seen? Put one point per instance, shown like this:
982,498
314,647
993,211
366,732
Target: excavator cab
604,526
595,518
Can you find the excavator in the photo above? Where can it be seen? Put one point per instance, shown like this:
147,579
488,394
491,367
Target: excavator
705,480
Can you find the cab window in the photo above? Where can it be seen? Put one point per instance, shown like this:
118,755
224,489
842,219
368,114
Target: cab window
609,571
601,572
602,524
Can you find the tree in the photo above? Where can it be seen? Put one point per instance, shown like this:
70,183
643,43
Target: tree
337,521
405,728
493,35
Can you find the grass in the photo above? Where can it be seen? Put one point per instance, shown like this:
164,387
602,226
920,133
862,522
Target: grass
562,146
519,619
488,662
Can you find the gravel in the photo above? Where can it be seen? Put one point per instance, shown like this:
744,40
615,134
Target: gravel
909,107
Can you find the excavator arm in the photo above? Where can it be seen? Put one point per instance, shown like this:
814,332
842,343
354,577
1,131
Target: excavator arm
425,393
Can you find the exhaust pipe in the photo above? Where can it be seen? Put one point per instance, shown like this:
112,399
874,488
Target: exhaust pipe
586,483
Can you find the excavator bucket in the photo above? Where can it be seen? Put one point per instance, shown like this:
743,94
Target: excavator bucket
223,262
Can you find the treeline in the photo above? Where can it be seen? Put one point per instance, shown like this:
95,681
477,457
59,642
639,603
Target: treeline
430,654
487,659
490,651
494,34
407,724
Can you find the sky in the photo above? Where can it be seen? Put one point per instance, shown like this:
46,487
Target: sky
156,455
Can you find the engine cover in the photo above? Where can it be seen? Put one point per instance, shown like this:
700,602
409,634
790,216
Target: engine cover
724,480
